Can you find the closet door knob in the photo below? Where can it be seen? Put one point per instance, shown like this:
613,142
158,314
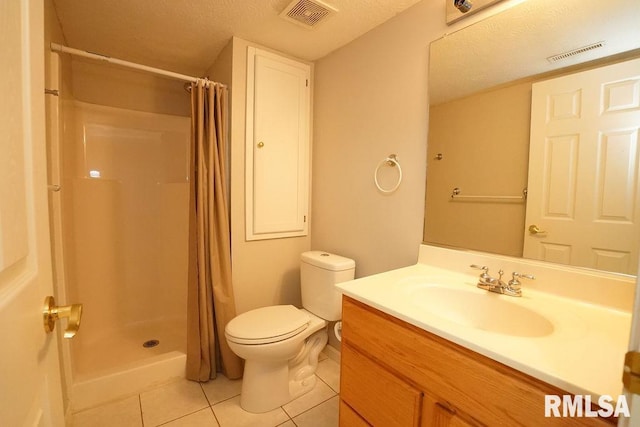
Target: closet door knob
260,144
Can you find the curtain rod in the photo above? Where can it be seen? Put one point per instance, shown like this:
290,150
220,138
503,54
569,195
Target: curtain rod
64,49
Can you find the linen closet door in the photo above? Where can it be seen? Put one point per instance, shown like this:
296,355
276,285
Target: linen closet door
277,146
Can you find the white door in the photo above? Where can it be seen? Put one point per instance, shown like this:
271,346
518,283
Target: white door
584,192
30,388
277,146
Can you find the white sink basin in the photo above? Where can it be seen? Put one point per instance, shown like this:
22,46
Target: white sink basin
479,309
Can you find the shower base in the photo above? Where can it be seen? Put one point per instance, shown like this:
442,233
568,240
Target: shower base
116,348
132,380
117,363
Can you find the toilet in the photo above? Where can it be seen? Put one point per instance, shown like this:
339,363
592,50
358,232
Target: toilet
280,344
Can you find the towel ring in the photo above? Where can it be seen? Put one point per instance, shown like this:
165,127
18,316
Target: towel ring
392,161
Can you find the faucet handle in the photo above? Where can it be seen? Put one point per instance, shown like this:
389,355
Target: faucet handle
484,268
515,283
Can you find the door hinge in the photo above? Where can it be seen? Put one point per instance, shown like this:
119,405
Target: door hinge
631,372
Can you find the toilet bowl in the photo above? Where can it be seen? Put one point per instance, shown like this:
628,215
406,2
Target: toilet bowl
280,344
268,381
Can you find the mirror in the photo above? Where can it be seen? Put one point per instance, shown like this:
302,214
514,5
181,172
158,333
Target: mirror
480,85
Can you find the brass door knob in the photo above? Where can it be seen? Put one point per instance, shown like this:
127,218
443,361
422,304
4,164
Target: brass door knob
260,144
534,229
51,313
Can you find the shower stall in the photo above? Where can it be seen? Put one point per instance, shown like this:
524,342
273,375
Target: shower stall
119,218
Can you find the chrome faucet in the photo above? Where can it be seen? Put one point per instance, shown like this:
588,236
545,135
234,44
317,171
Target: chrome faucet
492,284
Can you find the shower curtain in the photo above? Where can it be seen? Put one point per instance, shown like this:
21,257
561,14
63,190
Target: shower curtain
210,294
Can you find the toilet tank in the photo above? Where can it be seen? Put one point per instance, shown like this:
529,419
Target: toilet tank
319,272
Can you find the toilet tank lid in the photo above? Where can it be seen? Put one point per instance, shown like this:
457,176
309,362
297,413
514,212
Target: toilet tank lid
328,261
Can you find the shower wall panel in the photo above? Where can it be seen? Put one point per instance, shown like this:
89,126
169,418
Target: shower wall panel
126,233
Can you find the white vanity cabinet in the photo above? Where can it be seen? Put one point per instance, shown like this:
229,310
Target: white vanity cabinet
396,374
277,146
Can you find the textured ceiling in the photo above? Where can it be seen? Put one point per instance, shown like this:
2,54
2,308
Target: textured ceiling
516,43
186,36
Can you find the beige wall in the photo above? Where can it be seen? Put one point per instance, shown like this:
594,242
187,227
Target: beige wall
104,84
371,101
265,272
484,141
221,70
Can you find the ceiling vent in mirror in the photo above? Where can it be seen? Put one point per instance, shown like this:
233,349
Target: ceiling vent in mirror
308,13
574,52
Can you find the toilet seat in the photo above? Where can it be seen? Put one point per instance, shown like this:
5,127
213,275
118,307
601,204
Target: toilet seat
267,325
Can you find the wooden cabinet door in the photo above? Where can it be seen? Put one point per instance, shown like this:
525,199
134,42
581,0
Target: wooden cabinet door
440,414
378,396
349,417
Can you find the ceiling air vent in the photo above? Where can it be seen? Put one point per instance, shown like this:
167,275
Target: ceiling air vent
571,53
308,13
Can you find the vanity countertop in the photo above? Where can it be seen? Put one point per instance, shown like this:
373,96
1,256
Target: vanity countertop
580,347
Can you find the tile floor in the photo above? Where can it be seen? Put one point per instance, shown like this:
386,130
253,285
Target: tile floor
217,404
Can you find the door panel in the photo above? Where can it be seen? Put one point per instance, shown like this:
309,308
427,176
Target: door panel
559,196
13,238
616,176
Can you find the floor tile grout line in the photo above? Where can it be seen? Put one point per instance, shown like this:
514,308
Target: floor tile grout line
205,394
308,409
224,400
290,419
211,404
214,416
141,413
286,413
337,391
208,405
185,415
328,385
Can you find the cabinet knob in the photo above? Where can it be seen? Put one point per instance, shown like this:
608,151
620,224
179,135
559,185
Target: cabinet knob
260,144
